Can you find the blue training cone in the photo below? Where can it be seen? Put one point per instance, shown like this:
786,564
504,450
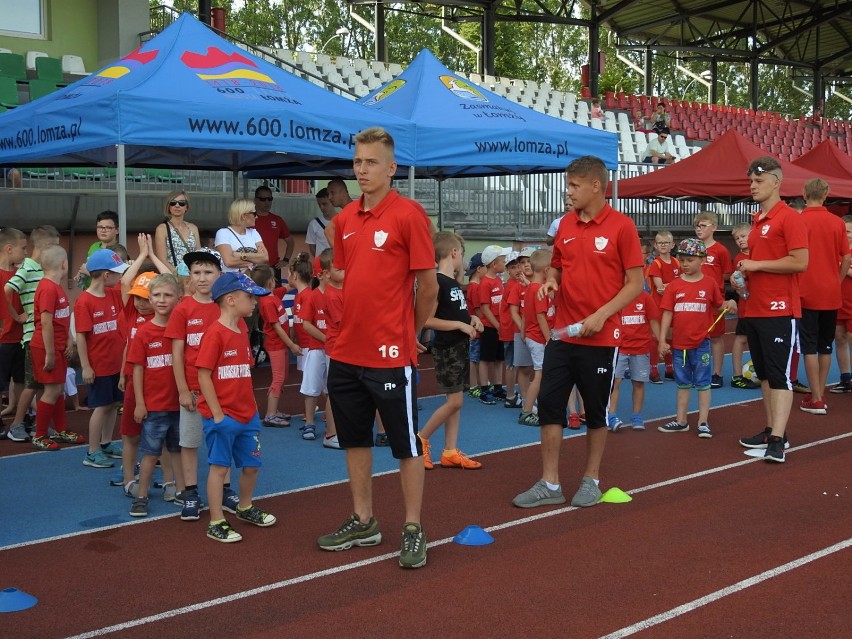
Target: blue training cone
13,600
473,536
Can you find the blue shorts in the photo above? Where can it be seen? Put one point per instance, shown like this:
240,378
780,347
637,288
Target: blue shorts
232,440
509,353
635,367
474,351
104,391
692,366
160,427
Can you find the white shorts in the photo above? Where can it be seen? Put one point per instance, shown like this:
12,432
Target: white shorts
522,352
191,431
536,353
71,382
314,372
638,365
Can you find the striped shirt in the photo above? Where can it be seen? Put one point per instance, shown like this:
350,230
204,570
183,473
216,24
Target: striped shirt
24,282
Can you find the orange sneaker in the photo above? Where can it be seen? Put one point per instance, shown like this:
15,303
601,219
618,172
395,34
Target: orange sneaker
457,459
427,457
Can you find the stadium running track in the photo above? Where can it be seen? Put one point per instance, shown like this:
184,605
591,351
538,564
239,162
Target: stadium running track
714,544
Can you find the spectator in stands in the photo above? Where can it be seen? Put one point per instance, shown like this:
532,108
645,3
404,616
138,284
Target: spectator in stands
660,119
273,229
12,178
239,243
596,111
554,226
660,150
315,237
640,123
176,237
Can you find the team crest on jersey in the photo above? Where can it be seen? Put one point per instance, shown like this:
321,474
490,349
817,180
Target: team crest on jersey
640,306
701,294
379,237
600,243
764,229
710,259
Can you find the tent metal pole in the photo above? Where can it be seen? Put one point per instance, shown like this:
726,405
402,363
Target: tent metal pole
411,182
235,184
440,205
615,190
121,185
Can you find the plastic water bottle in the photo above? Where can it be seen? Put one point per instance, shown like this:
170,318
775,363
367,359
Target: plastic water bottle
573,330
739,280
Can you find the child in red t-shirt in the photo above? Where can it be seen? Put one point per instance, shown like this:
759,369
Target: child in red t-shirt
539,313
227,406
52,314
843,329
100,345
157,399
507,329
277,342
475,272
662,271
689,305
490,349
740,233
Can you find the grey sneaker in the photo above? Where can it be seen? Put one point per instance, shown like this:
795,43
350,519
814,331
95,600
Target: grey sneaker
539,495
413,552
704,430
169,491
18,432
352,533
588,495
139,507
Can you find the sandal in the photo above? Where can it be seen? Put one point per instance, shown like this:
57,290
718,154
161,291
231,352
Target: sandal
275,421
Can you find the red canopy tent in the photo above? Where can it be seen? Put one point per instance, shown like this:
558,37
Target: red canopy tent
827,160
719,172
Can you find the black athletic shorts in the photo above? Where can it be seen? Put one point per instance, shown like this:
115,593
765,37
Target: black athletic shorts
590,368
816,331
771,341
357,392
490,346
11,363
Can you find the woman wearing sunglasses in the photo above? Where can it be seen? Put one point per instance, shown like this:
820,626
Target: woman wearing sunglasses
239,243
176,237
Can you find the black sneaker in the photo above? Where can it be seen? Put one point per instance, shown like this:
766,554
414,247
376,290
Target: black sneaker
191,507
487,398
761,440
717,381
223,532
498,391
256,516
842,387
738,381
139,507
515,402
774,450
382,440
800,388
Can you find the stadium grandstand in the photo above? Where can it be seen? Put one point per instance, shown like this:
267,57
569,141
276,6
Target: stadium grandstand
103,32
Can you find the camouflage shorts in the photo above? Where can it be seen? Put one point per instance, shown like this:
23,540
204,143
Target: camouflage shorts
452,366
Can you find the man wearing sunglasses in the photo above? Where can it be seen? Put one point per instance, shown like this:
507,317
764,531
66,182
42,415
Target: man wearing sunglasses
272,229
778,252
660,149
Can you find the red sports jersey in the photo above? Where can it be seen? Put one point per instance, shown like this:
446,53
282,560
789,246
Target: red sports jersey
13,332
532,306
491,291
772,237
666,271
820,283
100,319
133,319
845,312
301,299
718,264
471,296
593,257
694,306
271,228
507,330
312,310
380,250
333,313
742,304
272,312
189,321
636,324
515,297
227,353
50,298
151,349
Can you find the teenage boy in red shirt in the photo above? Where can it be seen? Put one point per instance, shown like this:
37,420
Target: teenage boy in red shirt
778,251
100,344
157,399
227,406
383,243
820,288
690,306
598,249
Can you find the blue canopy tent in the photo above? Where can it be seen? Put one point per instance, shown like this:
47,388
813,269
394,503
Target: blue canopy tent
190,99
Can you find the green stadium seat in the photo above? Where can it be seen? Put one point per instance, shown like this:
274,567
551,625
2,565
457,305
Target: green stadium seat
8,93
12,66
163,175
40,88
49,69
129,174
49,174
82,173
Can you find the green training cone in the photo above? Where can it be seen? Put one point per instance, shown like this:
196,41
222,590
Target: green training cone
616,496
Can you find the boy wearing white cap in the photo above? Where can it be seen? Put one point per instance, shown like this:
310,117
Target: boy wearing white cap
490,349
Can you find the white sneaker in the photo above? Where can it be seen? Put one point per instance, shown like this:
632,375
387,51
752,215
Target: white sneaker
331,442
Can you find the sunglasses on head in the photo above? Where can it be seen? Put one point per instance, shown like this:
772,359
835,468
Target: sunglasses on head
759,170
177,203
264,199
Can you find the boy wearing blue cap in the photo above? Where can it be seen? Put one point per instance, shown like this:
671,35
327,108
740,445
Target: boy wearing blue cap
100,345
230,419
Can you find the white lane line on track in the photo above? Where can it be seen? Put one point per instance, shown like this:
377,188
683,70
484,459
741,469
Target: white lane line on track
728,590
509,524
